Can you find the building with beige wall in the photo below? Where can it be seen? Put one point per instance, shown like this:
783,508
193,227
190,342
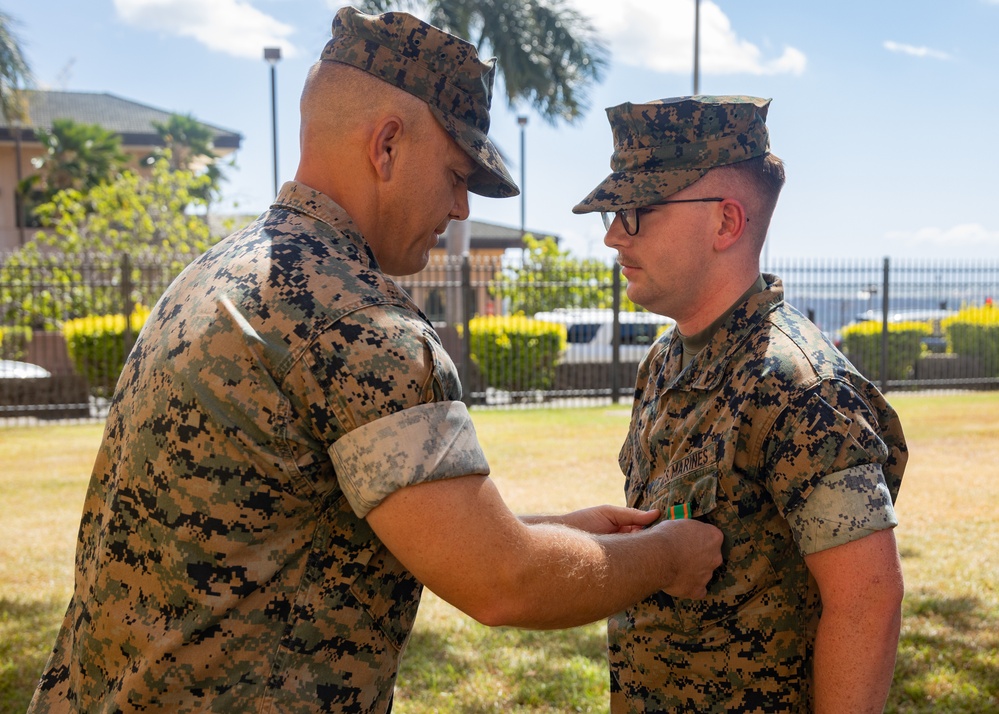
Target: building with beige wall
19,144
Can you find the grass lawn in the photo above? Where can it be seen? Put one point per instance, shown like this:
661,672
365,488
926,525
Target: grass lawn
554,461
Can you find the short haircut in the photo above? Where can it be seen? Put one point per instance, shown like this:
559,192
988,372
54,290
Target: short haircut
766,174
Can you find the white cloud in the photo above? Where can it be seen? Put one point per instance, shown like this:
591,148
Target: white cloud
233,27
660,36
914,51
965,235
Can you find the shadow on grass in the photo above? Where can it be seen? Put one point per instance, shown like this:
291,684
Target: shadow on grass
27,633
476,669
948,657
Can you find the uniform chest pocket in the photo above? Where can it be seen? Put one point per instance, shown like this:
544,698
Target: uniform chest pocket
745,570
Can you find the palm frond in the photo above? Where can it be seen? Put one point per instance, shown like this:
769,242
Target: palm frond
15,73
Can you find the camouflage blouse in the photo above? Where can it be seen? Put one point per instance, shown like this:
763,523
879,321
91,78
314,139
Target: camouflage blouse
282,387
771,435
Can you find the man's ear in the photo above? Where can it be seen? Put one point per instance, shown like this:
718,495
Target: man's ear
733,224
383,146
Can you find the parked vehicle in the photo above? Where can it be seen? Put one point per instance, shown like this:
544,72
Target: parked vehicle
9,369
591,334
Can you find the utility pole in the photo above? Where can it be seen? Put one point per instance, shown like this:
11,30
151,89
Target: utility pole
697,45
522,121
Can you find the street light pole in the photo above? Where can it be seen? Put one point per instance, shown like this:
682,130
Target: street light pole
18,197
272,55
522,121
697,44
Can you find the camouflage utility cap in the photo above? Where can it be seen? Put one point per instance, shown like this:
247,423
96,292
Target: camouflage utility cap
437,67
664,146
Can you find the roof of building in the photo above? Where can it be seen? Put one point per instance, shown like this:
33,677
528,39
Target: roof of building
492,235
132,120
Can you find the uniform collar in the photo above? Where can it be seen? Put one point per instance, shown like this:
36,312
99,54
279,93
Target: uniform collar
298,197
708,368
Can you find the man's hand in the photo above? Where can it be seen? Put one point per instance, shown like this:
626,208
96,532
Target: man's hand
601,520
695,548
460,540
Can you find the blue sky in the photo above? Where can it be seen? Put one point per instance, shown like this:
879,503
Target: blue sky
886,112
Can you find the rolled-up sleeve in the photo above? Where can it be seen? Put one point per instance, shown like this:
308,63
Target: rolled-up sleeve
843,507
429,442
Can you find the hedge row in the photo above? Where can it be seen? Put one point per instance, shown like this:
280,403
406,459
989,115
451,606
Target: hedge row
519,354
96,344
862,345
516,353
14,342
975,331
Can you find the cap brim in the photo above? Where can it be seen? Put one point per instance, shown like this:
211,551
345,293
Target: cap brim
634,189
491,179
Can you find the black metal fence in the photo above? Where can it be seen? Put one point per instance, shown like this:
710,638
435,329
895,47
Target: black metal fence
63,331
520,332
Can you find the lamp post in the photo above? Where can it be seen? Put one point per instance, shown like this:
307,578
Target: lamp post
272,55
697,44
522,121
18,198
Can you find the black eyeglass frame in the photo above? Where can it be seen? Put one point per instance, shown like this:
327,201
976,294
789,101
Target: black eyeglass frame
628,215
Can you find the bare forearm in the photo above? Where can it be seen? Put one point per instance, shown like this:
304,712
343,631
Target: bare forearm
564,577
459,539
855,661
576,577
598,519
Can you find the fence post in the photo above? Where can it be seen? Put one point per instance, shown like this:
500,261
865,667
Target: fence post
884,326
467,300
126,299
616,349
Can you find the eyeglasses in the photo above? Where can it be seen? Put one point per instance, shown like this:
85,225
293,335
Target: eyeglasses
629,216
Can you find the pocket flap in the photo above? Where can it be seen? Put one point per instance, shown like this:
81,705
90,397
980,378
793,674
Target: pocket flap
687,498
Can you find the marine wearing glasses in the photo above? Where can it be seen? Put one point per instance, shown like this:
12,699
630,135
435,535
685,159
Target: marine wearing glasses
629,216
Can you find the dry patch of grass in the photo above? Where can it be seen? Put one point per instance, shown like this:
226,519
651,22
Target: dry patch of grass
948,534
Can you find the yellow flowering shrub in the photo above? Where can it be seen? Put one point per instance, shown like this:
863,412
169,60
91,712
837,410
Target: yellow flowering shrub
96,344
516,353
862,345
974,332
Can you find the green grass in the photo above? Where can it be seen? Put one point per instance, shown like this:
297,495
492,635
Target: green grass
555,460
42,485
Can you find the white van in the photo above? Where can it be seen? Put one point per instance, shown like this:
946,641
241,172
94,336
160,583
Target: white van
591,333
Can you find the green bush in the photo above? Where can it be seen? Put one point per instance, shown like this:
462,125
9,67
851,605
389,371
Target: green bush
14,342
862,345
974,332
516,353
97,347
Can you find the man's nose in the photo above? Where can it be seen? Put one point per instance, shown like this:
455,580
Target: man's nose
616,234
459,211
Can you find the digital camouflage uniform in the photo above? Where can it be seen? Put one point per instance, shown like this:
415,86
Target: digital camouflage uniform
282,387
768,433
773,437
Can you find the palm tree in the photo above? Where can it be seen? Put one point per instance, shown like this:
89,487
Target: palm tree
15,74
188,140
190,148
76,156
547,53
